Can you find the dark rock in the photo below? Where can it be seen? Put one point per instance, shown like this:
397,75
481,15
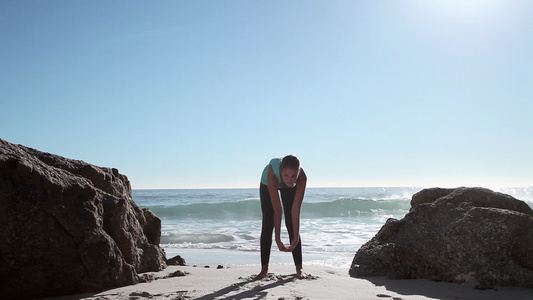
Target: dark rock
176,261
69,227
177,273
141,294
147,277
454,235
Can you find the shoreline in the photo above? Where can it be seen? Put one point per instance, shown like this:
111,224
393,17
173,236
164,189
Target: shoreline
235,258
236,282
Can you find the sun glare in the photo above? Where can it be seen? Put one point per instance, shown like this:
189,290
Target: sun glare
468,6
463,12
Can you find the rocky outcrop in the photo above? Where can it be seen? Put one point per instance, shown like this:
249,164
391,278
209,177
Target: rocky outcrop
176,261
69,227
455,235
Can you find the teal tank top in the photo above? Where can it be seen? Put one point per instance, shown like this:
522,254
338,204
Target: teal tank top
275,163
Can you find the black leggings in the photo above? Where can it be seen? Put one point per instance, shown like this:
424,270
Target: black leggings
287,198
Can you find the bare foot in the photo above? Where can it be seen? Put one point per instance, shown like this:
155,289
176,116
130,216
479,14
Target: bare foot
299,272
260,275
301,275
263,274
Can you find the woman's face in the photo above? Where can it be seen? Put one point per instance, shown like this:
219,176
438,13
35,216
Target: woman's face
289,176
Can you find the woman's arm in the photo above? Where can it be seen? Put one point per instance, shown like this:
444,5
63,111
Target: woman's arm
301,182
276,203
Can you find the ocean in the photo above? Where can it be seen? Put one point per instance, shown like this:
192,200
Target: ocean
222,226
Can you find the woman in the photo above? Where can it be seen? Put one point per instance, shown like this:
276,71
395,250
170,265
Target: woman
289,178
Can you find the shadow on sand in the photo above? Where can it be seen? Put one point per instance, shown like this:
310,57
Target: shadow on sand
446,290
257,291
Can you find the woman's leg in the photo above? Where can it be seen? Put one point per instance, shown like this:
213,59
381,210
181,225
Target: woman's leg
266,230
287,197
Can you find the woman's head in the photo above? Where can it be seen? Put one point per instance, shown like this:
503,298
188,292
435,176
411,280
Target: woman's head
289,169
290,161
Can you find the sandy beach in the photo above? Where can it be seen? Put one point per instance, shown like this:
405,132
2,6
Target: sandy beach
236,282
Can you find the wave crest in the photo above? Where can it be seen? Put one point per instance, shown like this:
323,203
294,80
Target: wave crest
251,209
200,238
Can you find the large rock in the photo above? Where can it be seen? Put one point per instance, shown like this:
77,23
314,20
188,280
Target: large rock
454,235
67,227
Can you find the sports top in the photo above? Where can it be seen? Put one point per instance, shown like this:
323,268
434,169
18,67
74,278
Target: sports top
275,163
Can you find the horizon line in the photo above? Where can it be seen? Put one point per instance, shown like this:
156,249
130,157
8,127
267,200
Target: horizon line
348,187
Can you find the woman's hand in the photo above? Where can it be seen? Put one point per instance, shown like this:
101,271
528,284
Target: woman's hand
293,244
281,246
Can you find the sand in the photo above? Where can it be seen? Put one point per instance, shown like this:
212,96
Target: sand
324,283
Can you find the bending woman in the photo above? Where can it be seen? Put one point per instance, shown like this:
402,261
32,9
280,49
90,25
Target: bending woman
286,176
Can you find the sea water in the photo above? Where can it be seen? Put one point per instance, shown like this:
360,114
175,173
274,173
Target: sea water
223,226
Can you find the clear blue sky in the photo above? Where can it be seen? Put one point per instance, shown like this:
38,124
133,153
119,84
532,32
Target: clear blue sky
191,94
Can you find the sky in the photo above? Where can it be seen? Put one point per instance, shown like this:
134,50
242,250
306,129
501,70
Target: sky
202,94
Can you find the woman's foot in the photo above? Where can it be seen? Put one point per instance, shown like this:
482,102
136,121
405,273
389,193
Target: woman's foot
260,276
263,274
299,273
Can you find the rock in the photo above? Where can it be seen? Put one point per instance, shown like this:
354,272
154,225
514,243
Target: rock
147,277
141,294
454,235
69,227
177,273
176,261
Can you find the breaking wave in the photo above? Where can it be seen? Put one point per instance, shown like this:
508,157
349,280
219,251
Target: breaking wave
251,209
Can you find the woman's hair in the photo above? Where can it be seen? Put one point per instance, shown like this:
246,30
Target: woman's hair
290,161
